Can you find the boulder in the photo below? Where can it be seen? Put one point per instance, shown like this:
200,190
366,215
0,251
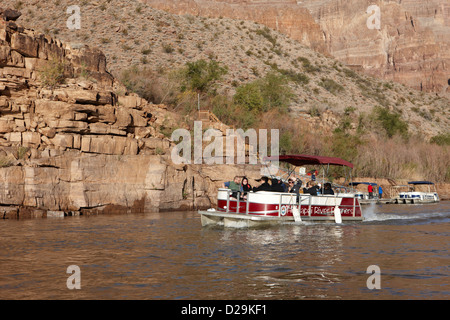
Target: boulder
25,45
9,14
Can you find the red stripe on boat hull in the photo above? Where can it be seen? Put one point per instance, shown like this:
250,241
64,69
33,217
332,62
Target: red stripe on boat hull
267,209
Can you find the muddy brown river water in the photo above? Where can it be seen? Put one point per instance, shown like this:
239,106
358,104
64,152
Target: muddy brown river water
171,256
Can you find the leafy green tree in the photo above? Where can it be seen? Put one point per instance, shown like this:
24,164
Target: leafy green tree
265,94
391,122
250,97
275,92
201,75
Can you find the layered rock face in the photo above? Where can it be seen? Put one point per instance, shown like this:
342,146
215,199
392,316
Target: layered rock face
81,145
285,16
410,47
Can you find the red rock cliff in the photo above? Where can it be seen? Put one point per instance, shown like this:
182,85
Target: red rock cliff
412,45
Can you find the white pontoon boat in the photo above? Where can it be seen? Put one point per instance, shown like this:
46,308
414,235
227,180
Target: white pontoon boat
420,192
265,207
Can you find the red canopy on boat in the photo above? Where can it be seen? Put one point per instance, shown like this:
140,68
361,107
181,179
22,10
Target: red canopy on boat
303,159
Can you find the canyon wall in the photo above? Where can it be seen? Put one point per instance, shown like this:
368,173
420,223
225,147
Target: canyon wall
81,145
410,47
284,16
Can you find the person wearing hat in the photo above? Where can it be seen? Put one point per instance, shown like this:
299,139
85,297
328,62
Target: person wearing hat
264,186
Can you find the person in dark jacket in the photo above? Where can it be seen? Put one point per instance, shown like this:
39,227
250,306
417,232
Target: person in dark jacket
291,186
264,186
294,186
327,189
245,187
310,188
276,186
297,185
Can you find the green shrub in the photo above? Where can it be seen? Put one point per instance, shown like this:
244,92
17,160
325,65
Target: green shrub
201,75
331,86
390,122
276,92
52,73
270,92
368,91
250,97
266,33
307,66
22,152
296,77
5,161
350,73
314,111
285,142
230,113
442,139
167,48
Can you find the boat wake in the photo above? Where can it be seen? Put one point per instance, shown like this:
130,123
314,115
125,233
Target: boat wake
407,213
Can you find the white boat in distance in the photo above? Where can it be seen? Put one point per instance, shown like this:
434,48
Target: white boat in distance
266,207
364,197
414,196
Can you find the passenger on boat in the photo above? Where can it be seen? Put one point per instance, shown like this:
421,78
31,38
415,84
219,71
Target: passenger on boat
234,186
370,190
294,187
311,188
284,185
245,187
380,192
277,186
264,186
327,189
298,185
290,186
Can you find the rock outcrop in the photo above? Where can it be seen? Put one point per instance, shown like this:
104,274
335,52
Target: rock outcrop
72,141
9,14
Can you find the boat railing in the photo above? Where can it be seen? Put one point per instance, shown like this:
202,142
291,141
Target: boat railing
294,200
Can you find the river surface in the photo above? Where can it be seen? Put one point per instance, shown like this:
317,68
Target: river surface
171,256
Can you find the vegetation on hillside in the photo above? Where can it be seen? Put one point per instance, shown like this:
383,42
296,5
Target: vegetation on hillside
52,73
380,145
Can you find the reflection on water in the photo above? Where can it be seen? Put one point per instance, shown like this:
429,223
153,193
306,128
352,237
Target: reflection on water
170,256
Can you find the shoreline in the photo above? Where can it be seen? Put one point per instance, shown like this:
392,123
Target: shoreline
21,212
